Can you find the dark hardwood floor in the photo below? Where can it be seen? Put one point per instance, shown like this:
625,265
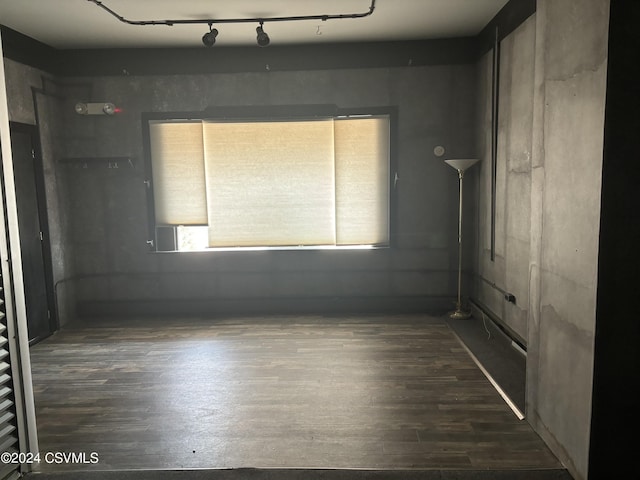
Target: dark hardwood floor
353,392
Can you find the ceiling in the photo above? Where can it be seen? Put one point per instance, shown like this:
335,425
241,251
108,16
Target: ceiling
72,24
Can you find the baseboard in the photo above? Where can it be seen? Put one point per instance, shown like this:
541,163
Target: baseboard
272,305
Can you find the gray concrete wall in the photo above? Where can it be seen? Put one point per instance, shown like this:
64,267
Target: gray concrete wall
510,269
571,46
20,79
107,207
552,98
34,98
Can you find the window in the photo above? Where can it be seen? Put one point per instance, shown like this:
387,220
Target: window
277,182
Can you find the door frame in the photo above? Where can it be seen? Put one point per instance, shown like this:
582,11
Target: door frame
33,132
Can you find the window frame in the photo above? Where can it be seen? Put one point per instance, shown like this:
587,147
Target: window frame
158,239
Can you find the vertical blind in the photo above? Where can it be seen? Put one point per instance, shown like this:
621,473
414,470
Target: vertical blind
275,183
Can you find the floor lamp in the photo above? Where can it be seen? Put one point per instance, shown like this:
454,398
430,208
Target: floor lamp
460,165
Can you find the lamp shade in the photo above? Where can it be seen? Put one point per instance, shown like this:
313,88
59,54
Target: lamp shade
461,164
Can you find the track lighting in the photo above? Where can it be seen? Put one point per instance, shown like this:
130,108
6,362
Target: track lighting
209,38
263,38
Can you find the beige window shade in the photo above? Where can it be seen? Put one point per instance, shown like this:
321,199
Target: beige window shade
362,180
177,160
270,183
275,183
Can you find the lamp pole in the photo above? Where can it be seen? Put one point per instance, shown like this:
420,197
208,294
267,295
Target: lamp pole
460,165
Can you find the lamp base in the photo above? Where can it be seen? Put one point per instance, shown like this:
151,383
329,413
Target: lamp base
460,314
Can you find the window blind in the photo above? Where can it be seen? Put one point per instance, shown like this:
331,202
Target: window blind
270,183
316,182
362,181
177,162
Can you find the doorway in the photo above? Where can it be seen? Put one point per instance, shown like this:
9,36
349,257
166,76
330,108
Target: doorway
32,223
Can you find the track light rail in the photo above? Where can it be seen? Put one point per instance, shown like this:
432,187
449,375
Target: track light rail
210,21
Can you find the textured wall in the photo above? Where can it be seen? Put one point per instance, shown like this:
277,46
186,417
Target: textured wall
550,143
20,79
34,98
510,269
571,61
107,207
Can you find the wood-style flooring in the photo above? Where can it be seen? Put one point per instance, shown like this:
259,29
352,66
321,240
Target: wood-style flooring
359,392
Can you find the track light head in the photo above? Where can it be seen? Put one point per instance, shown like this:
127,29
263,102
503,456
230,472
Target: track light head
263,38
209,38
